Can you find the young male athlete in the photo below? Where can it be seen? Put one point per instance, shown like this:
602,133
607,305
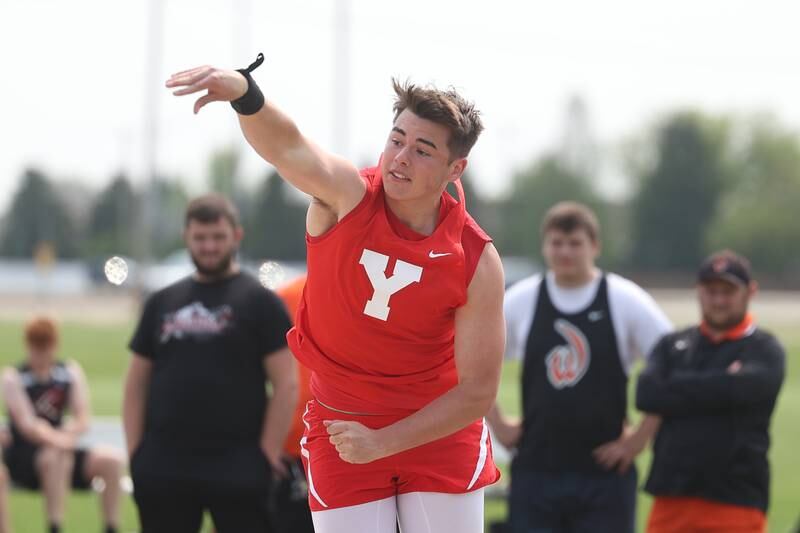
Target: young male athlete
401,321
578,331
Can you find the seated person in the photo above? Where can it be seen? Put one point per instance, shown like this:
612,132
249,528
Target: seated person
5,521
43,452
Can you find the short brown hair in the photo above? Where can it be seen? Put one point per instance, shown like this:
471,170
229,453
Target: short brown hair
210,208
571,216
41,333
447,108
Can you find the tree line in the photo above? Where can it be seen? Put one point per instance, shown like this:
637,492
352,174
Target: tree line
695,182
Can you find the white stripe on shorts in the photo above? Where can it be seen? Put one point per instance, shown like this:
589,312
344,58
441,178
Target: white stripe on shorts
305,453
481,454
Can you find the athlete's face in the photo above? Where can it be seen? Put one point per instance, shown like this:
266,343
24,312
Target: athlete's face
212,245
570,255
41,356
416,161
724,304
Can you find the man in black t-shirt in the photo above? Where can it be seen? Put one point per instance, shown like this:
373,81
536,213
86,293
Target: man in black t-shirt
201,431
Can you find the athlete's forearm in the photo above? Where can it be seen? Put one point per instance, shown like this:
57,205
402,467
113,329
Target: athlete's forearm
647,429
495,416
133,407
454,410
134,402
278,417
76,426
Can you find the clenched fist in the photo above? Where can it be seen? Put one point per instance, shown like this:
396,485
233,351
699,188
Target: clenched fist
355,442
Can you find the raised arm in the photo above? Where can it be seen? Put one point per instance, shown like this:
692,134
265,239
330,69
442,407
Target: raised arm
330,179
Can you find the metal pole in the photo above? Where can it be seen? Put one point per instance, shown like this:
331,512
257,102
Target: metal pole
341,78
155,23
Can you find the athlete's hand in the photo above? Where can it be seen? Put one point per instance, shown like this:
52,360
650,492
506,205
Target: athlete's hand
355,442
274,455
508,432
620,453
63,440
221,85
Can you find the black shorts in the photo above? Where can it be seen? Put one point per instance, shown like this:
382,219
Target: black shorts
21,464
171,506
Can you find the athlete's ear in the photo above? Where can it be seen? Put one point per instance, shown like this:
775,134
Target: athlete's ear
457,169
238,234
752,288
598,248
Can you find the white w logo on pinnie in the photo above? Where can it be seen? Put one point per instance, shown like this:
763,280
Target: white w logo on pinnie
566,365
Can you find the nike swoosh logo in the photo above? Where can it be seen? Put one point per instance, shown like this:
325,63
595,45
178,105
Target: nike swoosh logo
594,316
433,255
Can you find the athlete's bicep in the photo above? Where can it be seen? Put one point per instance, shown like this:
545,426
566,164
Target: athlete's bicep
19,406
281,368
300,161
650,323
79,394
480,328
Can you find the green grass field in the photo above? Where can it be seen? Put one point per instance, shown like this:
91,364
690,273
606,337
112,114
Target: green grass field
101,350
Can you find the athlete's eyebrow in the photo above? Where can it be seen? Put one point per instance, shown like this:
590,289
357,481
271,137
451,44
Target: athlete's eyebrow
419,139
426,141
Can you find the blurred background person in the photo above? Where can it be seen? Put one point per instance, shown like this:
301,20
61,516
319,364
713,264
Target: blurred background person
201,432
579,331
715,387
289,509
5,521
44,452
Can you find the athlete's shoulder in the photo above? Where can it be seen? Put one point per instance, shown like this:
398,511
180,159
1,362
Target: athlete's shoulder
473,231
179,286
625,288
372,179
525,286
681,338
769,341
522,293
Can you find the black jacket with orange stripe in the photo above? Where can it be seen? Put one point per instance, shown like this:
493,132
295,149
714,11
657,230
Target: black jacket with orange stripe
714,436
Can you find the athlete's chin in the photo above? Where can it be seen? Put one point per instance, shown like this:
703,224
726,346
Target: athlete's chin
212,268
397,191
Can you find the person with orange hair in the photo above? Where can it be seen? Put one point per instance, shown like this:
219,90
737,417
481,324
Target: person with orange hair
44,451
5,524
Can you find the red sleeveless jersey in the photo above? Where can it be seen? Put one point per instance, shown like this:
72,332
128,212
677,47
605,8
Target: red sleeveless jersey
377,321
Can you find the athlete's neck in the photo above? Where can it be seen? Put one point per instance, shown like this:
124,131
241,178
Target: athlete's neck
578,280
41,369
233,269
421,215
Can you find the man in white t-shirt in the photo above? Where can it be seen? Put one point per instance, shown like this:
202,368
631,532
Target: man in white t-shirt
578,331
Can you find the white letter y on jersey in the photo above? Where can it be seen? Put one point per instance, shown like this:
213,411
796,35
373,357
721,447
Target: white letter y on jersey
404,274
